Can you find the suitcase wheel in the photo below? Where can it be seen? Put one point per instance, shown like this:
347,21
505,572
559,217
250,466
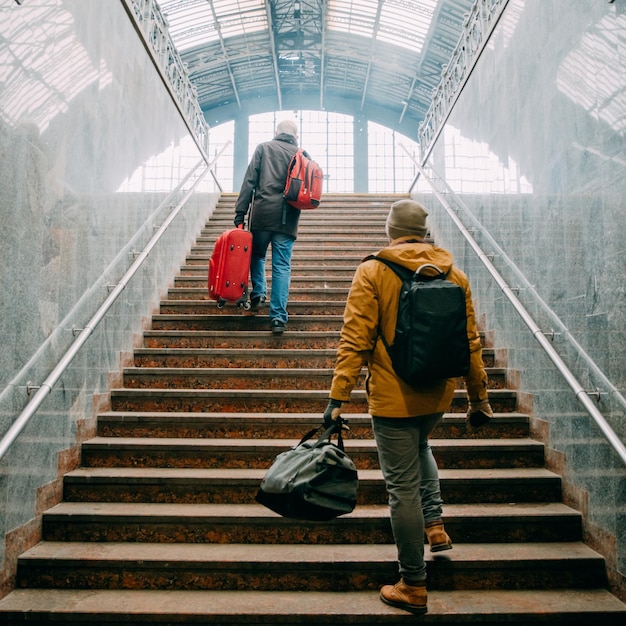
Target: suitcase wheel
245,305
220,304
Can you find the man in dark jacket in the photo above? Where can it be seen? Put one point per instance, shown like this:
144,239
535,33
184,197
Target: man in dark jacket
272,220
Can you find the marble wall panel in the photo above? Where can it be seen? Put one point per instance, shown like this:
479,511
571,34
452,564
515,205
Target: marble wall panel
92,149
535,150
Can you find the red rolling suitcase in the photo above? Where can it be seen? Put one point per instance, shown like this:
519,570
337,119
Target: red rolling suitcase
229,267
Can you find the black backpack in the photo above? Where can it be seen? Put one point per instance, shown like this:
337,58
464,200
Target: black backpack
430,342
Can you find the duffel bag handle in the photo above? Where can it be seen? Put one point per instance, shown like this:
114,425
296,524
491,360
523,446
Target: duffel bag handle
337,427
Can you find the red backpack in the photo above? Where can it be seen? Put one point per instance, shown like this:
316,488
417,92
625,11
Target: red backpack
305,179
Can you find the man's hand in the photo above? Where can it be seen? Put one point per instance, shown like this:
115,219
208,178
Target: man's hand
332,412
239,219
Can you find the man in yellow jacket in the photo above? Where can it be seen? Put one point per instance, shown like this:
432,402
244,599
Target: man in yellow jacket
403,416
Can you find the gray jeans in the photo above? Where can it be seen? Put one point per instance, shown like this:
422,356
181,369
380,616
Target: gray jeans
412,481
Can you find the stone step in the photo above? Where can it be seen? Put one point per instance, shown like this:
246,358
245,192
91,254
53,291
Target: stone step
353,221
229,378
339,241
300,374
200,268
327,250
230,319
199,281
243,340
235,344
299,264
302,567
253,523
304,257
185,452
231,357
275,425
294,308
284,608
273,400
302,357
239,486
299,294
329,209
315,251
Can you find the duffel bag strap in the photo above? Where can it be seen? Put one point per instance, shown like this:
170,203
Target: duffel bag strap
337,427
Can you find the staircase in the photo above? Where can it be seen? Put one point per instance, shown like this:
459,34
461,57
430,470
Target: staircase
159,524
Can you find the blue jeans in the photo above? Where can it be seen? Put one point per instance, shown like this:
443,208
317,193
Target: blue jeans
412,481
282,246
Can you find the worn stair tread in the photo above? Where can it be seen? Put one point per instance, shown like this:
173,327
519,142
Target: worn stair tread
228,371
312,607
312,268
248,555
302,334
274,417
223,317
260,352
279,445
159,474
306,372
271,351
295,291
248,513
294,279
277,393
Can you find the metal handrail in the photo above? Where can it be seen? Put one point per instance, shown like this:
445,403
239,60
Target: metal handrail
478,26
46,387
581,394
153,30
530,288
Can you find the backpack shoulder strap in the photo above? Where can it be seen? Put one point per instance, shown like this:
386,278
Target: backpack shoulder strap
403,272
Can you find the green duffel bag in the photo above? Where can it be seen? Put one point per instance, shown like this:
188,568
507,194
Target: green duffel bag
314,481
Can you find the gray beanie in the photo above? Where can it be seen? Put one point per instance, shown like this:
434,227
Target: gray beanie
287,127
405,218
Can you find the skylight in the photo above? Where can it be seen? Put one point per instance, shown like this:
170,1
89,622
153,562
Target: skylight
404,23
197,22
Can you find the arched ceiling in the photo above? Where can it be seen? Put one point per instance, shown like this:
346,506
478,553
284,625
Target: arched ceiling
377,58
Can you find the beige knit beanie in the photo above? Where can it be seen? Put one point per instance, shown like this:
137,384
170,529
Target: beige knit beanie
405,218
288,127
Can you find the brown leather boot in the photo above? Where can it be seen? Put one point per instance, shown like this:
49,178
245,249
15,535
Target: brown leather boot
408,597
437,537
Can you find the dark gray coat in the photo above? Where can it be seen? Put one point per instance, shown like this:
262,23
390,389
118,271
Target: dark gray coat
265,176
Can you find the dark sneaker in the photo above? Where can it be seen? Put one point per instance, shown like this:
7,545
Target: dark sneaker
257,303
277,327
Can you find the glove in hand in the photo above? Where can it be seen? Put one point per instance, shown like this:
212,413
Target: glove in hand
332,412
239,219
479,413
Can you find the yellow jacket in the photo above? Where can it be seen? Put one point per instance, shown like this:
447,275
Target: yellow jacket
371,309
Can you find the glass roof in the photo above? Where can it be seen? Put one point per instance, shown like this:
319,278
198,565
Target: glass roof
196,22
383,56
400,22
403,23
